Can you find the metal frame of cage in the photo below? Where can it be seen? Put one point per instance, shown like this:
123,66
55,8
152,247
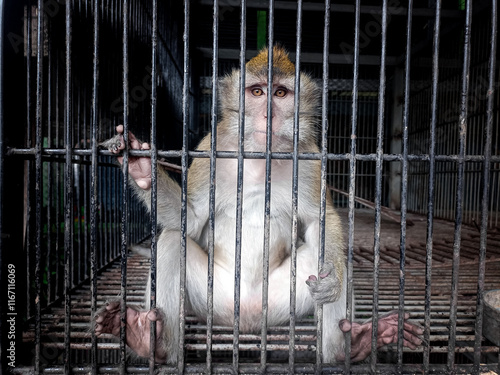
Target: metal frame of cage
39,151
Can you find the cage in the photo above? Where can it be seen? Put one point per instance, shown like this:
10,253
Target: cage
408,143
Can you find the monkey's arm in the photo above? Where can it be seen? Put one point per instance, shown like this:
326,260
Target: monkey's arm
327,286
169,191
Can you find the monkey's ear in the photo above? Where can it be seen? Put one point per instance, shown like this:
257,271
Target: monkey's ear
228,91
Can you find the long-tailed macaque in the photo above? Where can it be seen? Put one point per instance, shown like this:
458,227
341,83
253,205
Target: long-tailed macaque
328,287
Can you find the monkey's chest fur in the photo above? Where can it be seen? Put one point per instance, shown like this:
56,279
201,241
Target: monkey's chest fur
253,233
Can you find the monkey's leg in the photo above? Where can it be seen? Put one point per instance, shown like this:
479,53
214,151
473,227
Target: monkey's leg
108,320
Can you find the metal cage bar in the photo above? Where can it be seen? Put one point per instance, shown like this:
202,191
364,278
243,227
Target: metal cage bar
213,174
94,183
239,193
68,192
38,182
432,164
324,151
154,180
267,191
378,187
404,187
460,185
184,192
485,186
295,201
125,186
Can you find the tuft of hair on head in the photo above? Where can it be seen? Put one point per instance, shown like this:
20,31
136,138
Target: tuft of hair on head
281,62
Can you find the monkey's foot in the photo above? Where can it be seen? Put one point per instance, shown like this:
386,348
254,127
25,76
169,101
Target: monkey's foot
138,331
361,335
327,287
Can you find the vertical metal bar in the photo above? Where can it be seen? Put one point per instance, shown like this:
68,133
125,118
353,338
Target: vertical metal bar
378,187
28,164
404,188
295,220
267,189
486,186
460,186
352,185
431,186
154,181
93,186
125,189
50,184
213,175
68,186
57,183
239,191
38,183
324,164
184,161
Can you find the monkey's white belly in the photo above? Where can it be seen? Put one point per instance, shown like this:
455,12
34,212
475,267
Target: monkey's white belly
252,245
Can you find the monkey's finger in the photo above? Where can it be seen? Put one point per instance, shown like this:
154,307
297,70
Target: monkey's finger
414,328
412,338
134,142
144,183
409,344
113,306
311,280
145,146
386,340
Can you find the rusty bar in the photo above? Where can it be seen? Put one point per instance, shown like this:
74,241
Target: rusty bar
267,190
213,175
68,192
184,186
486,187
28,165
378,187
38,183
125,187
154,182
404,188
324,174
352,186
239,191
431,186
93,185
295,199
460,185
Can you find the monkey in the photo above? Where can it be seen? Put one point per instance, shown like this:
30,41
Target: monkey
327,287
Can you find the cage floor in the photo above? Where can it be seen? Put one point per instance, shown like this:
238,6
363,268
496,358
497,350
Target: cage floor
414,297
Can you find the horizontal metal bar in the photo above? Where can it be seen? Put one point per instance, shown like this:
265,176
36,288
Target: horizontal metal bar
258,155
270,369
347,8
308,57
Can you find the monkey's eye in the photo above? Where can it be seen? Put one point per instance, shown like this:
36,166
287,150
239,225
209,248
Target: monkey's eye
257,91
281,93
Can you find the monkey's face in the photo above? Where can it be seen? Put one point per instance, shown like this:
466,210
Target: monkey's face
282,120
256,114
